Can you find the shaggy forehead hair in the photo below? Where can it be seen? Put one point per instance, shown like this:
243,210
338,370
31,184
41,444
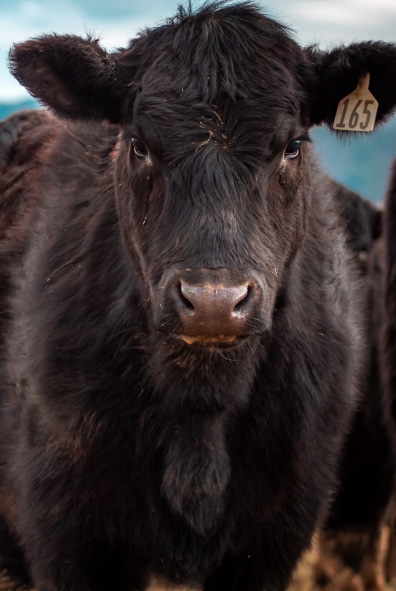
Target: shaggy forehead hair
221,50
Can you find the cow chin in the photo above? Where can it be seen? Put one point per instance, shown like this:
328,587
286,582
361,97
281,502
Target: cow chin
197,376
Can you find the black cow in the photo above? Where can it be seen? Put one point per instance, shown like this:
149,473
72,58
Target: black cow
389,324
389,330
182,318
351,546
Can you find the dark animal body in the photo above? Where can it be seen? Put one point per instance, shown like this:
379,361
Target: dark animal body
388,338
352,546
182,325
389,300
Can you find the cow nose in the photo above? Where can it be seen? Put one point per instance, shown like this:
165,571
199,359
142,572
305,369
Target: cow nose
213,310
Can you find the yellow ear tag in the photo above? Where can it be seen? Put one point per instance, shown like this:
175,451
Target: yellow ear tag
358,110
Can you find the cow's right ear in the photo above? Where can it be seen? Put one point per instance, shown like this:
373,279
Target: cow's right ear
73,76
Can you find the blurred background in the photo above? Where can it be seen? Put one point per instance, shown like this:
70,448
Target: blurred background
362,163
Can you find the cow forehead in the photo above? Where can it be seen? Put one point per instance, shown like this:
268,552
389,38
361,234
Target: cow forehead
234,57
260,75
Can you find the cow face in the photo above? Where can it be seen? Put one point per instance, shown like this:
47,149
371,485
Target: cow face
211,186
213,170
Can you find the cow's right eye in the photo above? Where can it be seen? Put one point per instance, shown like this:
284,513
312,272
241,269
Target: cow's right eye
140,149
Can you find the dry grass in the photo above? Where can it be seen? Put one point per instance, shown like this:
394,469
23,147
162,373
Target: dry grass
342,578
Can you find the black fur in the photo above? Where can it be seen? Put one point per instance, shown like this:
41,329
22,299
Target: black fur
389,341
127,454
351,544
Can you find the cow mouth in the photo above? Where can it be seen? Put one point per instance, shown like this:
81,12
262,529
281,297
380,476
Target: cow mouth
208,341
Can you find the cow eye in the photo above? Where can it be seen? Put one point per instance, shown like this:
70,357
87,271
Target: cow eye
140,149
292,149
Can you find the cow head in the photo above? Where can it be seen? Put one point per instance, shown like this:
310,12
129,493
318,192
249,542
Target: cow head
213,165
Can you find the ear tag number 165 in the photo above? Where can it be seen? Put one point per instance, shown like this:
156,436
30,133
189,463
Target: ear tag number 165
358,110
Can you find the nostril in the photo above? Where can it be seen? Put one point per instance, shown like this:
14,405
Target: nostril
242,306
186,296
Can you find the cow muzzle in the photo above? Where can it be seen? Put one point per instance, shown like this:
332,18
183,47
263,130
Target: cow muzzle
209,306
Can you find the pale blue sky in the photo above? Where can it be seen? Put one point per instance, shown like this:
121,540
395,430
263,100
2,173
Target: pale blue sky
326,22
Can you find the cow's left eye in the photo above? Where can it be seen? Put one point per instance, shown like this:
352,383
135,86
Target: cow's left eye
140,149
292,149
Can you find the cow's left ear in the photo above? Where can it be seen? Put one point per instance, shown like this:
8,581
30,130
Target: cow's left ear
338,72
73,76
